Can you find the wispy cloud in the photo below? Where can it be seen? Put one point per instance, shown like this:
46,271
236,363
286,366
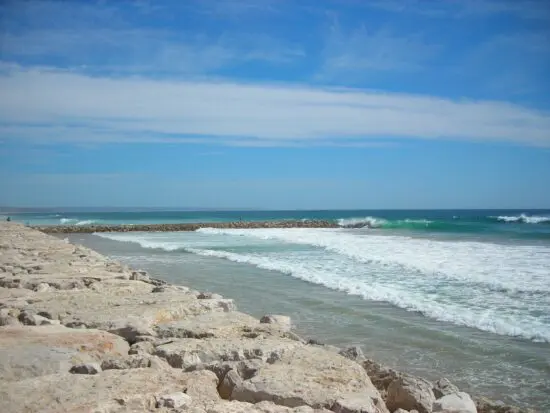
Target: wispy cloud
513,64
100,39
526,9
358,52
71,107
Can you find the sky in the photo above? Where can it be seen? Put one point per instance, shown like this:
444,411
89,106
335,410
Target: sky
278,104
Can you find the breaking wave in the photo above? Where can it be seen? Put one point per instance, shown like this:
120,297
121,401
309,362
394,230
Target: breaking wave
522,218
75,221
500,289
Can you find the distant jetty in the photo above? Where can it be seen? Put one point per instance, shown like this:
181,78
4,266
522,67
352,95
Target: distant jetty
66,229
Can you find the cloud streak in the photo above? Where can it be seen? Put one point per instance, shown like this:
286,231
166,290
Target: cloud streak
60,106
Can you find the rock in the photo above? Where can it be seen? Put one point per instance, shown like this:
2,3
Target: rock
262,407
29,351
443,387
134,361
132,329
380,375
219,325
139,276
408,392
142,347
455,403
30,319
88,368
228,384
308,376
191,353
359,403
174,400
485,405
9,317
403,411
283,321
42,287
204,296
109,308
134,390
353,353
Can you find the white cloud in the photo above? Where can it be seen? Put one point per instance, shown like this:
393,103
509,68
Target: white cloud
57,106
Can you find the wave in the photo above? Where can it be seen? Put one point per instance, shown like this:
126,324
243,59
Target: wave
408,223
75,221
67,220
499,289
464,304
522,218
369,222
407,300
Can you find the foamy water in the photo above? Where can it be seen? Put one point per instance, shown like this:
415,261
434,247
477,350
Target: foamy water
501,289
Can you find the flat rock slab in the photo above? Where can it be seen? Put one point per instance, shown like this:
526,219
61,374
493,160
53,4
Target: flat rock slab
219,325
262,407
229,325
136,390
109,308
305,375
192,353
29,351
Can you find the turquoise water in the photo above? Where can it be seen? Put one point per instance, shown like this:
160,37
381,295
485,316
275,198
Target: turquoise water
465,294
504,224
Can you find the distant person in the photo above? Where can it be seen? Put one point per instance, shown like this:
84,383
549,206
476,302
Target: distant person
8,219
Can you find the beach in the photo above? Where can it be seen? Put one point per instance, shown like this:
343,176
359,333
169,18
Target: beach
81,332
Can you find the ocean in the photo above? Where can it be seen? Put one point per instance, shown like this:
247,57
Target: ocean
463,294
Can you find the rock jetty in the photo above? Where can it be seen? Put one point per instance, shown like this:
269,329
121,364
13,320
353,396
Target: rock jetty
60,229
82,333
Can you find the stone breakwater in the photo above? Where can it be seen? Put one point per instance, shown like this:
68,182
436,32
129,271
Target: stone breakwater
60,229
82,333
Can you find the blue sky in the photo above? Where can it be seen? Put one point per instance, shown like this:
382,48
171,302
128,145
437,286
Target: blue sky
275,103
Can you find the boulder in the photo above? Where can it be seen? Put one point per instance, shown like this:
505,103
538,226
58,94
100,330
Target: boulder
108,309
455,403
353,353
132,328
262,407
443,387
408,393
380,375
134,390
135,361
282,321
142,347
29,351
86,368
359,403
309,376
216,324
209,296
174,400
191,353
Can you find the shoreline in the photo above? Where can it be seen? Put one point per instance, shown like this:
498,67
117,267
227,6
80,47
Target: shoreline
226,360
67,229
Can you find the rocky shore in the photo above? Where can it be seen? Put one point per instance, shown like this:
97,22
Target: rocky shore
67,229
82,333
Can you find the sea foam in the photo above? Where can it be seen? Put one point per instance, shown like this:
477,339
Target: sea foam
503,289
